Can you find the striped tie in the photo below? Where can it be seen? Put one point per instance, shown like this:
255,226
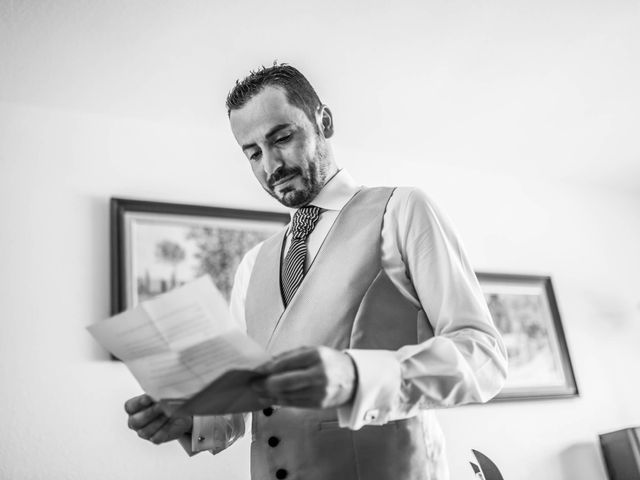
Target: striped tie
304,220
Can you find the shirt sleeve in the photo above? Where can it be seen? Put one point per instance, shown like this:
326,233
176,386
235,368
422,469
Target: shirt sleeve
465,360
215,433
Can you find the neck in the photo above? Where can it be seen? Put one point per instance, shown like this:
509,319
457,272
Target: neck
331,165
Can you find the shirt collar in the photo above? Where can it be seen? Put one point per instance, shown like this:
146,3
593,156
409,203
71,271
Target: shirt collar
336,192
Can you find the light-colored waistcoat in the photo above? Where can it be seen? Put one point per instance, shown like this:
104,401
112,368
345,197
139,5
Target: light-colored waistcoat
345,301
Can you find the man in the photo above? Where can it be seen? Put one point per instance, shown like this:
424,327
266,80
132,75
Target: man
367,301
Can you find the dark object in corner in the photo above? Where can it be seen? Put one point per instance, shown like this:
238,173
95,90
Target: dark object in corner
621,452
487,470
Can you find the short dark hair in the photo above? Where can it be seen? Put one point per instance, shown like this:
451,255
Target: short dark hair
297,88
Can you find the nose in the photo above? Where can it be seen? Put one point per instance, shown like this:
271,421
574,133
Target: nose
271,161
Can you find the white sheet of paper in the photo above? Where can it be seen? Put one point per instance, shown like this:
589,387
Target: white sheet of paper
179,342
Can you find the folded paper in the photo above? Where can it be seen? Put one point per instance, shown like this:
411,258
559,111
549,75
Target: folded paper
185,351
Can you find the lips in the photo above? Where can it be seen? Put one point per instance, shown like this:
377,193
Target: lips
285,179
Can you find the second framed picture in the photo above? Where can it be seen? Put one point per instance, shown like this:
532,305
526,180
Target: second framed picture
157,246
525,312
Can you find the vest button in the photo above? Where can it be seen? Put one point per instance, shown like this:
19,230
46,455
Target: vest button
281,473
268,411
273,441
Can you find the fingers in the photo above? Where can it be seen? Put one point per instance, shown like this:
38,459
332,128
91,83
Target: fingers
142,418
151,428
150,423
161,436
299,358
138,403
290,372
318,377
308,398
300,388
293,381
172,429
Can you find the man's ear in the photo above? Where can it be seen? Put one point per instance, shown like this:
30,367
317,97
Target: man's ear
325,121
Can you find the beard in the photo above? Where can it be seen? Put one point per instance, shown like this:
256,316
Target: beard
313,178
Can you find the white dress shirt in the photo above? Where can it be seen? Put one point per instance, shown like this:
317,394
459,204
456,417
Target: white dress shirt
465,360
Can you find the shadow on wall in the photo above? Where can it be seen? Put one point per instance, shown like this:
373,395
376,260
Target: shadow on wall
583,461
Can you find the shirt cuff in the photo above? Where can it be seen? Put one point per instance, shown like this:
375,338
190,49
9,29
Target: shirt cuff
202,434
379,380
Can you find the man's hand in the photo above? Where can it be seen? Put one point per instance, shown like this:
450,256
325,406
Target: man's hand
319,377
147,419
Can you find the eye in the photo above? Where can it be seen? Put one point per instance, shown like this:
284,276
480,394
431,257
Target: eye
284,139
255,155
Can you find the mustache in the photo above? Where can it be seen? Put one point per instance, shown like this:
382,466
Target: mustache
281,173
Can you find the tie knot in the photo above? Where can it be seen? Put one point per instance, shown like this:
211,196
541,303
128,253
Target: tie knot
304,221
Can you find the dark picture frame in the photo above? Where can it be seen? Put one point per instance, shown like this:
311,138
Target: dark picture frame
525,311
156,246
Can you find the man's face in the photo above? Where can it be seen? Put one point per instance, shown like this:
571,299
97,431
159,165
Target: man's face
287,154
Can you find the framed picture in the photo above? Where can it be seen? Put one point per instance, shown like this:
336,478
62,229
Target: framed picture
157,246
525,312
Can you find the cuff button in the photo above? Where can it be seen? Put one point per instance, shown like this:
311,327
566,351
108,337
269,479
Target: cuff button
371,415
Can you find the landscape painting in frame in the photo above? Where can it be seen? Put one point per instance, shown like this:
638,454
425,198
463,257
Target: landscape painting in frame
525,311
158,246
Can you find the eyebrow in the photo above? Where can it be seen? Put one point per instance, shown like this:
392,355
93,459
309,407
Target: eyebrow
268,136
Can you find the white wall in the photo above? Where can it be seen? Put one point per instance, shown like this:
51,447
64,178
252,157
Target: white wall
503,113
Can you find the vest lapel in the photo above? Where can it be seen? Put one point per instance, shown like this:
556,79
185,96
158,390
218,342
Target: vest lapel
265,282
321,251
